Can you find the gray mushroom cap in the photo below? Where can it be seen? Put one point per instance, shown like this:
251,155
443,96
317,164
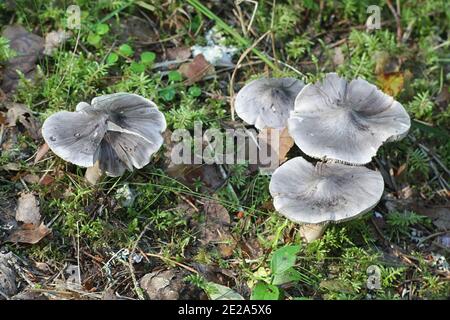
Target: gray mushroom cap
345,121
267,102
120,130
326,192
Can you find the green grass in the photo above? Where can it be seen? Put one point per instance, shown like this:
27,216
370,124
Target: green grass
305,38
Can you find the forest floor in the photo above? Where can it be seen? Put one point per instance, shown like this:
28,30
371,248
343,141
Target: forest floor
196,231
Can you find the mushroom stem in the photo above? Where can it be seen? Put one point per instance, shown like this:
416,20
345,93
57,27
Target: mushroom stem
311,232
93,174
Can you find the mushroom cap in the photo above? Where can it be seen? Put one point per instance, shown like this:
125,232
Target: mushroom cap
345,121
267,102
120,130
326,192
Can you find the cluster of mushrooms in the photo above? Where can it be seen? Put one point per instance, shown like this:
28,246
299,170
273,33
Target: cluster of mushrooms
340,123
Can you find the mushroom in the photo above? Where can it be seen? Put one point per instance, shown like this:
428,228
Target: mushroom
267,102
344,121
119,130
324,193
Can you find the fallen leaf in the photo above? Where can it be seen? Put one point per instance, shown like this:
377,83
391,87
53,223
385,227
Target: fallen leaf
338,57
29,235
28,48
2,118
443,98
28,209
12,166
278,141
251,248
194,71
208,175
46,180
20,112
217,223
439,216
178,53
31,178
41,152
392,83
54,39
136,28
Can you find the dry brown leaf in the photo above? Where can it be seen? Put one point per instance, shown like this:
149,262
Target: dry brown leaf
178,53
28,209
439,216
29,234
194,71
338,57
31,178
189,175
54,39
20,112
28,48
42,151
2,118
217,223
46,180
285,141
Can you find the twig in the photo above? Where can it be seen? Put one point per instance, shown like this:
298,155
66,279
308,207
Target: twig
431,236
397,19
154,255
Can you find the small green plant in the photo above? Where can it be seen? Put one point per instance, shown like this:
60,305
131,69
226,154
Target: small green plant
281,271
400,222
94,37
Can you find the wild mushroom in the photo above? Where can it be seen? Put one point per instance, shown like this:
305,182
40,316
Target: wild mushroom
119,130
344,121
324,193
267,102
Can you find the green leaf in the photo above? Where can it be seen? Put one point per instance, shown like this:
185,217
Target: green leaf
289,275
93,39
175,76
137,67
265,291
194,91
148,57
284,258
218,292
101,28
126,50
112,58
167,94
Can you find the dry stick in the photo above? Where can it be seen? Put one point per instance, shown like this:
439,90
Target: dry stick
238,65
130,262
2,130
154,255
435,157
431,236
239,16
397,19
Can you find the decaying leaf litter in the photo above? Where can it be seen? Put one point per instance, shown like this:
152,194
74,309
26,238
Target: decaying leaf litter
193,231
